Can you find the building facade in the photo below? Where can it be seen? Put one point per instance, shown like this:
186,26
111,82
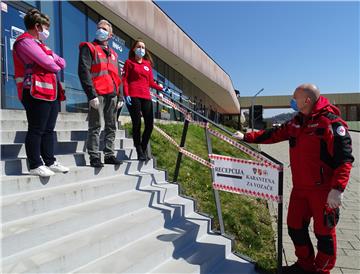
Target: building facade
179,63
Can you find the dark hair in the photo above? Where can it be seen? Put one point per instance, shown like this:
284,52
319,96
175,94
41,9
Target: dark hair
147,52
33,17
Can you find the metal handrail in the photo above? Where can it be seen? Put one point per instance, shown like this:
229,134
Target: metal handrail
219,127
209,121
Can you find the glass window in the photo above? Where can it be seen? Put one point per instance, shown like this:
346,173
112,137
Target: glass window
52,10
121,43
92,21
74,32
12,25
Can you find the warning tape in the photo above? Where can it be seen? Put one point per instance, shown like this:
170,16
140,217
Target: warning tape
172,104
196,158
166,136
219,186
235,160
275,198
184,151
263,160
248,151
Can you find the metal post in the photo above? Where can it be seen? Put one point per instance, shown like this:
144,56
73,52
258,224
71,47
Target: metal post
182,144
215,191
252,108
279,224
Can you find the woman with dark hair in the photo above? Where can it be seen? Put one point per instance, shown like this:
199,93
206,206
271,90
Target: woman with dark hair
137,81
36,68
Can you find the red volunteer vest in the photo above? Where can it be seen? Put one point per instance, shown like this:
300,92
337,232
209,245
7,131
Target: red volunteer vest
104,69
43,84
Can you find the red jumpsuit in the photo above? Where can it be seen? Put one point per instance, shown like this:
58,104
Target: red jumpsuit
320,159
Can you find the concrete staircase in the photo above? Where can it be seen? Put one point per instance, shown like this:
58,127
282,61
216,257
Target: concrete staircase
117,219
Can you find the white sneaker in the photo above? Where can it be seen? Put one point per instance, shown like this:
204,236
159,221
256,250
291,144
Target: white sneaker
57,167
42,171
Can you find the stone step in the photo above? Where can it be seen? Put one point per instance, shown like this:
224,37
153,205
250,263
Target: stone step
21,115
201,257
11,151
13,184
180,240
26,204
35,230
234,265
85,246
10,136
22,125
19,166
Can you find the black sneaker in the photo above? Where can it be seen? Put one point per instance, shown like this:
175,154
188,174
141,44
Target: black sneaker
96,162
295,269
147,154
111,160
140,153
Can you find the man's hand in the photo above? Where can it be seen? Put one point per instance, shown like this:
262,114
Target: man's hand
119,104
334,198
238,135
95,103
161,85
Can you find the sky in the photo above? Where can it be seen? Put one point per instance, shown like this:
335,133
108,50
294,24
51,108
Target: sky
276,45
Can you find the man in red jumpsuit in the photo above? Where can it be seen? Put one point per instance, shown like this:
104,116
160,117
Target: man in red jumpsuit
321,160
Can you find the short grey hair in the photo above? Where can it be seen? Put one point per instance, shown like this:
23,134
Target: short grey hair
106,22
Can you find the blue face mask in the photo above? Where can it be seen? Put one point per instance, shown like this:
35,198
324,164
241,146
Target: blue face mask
140,52
101,35
293,104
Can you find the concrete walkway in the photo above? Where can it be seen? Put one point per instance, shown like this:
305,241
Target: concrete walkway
348,234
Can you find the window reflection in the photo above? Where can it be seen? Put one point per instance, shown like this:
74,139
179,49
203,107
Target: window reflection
74,32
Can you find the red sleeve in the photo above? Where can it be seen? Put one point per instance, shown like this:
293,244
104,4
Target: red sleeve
268,136
125,76
341,176
152,83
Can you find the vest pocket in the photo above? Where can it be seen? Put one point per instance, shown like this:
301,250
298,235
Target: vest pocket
43,86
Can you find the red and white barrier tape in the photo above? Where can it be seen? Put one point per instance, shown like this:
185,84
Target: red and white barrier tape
172,104
166,136
248,151
196,158
256,155
275,198
184,151
235,160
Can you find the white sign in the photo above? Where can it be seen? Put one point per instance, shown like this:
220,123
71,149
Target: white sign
4,7
245,177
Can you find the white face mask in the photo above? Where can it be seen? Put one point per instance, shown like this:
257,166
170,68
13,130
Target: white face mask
43,35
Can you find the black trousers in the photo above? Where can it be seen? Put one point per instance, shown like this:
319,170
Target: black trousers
145,107
41,116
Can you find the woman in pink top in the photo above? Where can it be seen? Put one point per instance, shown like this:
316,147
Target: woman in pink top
36,67
137,81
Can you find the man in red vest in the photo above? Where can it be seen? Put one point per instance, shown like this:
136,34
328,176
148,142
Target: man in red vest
321,160
99,75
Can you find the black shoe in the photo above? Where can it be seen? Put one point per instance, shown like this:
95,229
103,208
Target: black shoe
147,154
140,153
295,269
96,162
111,160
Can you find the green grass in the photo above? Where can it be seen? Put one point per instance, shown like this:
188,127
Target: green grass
246,218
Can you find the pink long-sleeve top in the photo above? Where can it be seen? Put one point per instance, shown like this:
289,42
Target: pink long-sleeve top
29,52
